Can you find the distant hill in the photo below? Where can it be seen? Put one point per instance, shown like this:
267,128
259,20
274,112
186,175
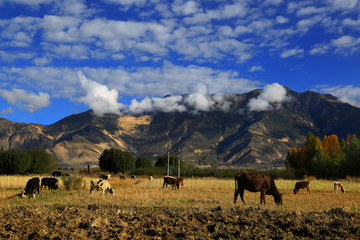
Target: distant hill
241,138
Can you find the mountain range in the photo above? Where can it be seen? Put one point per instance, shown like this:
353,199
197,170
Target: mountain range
238,137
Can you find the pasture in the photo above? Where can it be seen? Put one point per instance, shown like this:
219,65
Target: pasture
201,193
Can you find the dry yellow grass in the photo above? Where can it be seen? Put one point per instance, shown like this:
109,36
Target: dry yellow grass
197,193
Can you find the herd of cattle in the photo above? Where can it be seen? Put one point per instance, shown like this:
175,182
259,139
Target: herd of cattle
252,182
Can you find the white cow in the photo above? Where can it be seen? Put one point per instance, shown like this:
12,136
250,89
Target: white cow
101,185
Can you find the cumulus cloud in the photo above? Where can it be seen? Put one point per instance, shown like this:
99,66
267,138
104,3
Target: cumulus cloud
198,101
98,97
26,100
270,95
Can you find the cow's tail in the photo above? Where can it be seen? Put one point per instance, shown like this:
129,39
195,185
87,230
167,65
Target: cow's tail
236,184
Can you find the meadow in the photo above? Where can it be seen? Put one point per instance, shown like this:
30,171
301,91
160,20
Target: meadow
200,193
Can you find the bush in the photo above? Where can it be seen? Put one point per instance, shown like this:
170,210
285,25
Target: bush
73,183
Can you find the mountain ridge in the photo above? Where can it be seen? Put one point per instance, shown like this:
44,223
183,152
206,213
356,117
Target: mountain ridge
239,137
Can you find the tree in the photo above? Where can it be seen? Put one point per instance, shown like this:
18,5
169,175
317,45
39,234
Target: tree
41,161
26,161
162,161
116,160
143,162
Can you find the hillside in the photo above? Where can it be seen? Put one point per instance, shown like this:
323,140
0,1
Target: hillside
239,137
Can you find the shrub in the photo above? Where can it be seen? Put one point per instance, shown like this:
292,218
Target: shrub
73,183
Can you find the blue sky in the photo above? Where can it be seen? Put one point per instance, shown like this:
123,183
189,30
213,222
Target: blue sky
63,57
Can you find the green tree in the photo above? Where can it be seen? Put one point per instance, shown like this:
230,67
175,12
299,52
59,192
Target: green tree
41,161
14,161
351,163
162,161
116,160
143,162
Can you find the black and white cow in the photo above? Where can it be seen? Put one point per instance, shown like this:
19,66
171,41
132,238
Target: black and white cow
101,185
32,186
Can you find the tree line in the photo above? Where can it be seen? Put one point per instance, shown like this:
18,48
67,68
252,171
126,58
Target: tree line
23,161
329,158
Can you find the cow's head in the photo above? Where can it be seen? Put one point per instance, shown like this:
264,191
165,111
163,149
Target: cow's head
111,191
278,199
22,194
296,191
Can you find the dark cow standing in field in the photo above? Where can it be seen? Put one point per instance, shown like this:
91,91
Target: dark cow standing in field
50,183
56,174
122,177
101,185
173,181
302,185
32,186
338,187
105,177
256,182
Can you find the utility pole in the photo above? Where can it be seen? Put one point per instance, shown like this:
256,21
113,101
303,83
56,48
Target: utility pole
179,164
168,164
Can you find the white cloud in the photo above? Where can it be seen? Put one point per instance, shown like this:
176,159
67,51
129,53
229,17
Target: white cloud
270,95
199,100
345,41
25,100
7,111
348,94
291,52
344,4
185,8
98,97
281,19
256,68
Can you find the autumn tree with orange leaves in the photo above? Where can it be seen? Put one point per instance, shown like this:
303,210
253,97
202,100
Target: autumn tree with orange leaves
327,159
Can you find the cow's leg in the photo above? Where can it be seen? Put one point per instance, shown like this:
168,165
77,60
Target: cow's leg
237,191
242,194
262,197
164,184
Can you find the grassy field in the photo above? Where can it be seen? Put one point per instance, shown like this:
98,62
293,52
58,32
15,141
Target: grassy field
197,193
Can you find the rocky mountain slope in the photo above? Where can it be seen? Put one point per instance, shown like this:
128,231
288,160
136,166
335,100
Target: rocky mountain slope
239,137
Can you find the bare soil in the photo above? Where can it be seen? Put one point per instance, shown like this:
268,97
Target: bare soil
113,222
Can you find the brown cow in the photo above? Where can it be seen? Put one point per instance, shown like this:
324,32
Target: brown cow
302,185
338,187
256,182
169,180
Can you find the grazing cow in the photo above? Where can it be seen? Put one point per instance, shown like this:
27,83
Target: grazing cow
180,181
171,181
122,177
101,185
50,183
32,186
302,185
133,177
56,174
151,178
256,182
338,187
105,177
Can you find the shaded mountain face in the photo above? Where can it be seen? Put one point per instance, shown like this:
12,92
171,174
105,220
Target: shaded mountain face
238,137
